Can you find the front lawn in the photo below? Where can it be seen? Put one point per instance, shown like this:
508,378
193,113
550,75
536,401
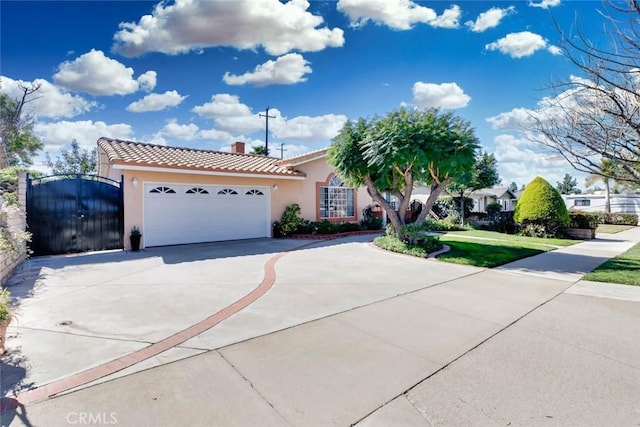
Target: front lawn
624,269
612,228
483,234
479,248
488,253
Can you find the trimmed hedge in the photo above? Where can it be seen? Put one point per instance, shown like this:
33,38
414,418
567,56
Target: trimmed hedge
617,218
541,204
584,220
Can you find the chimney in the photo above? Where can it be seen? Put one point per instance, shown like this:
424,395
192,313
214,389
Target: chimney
237,147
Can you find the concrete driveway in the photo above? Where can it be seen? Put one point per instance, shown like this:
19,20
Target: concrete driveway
332,333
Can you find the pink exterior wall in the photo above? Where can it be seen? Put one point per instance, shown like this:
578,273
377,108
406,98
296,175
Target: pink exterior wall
283,192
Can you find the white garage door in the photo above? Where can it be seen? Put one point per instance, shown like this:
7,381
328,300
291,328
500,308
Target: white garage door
176,214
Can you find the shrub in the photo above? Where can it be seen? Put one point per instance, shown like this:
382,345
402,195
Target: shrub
450,207
493,209
369,221
534,230
290,220
541,204
618,218
346,227
584,220
422,249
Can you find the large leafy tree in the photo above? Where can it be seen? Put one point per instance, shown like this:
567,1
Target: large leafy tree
18,143
483,174
388,154
594,114
73,161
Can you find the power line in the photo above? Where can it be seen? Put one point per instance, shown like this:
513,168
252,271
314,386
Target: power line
266,132
282,150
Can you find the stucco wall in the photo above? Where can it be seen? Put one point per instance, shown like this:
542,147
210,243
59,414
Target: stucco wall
283,192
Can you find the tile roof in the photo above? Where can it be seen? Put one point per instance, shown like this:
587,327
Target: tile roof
129,153
497,192
304,158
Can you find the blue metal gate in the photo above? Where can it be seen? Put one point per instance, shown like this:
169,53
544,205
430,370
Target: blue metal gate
74,214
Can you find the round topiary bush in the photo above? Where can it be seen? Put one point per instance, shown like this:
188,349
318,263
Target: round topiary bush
541,204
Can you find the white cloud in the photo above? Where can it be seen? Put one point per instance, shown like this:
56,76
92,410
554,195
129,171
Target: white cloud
450,18
444,95
518,45
86,132
97,74
520,160
156,102
516,119
229,114
148,80
306,128
489,19
184,132
186,25
288,69
554,50
397,14
49,101
545,4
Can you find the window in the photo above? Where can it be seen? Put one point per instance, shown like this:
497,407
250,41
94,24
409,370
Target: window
197,190
227,191
582,202
336,200
254,193
165,190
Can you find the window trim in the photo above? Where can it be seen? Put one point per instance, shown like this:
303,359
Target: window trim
325,184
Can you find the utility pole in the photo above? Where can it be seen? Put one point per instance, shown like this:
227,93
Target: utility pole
266,132
282,150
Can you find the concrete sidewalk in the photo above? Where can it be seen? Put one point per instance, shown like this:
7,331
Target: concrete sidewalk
476,347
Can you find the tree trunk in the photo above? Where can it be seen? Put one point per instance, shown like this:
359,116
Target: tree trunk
436,190
607,196
392,215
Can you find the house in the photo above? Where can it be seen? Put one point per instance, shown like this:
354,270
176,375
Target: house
484,197
620,203
481,198
179,195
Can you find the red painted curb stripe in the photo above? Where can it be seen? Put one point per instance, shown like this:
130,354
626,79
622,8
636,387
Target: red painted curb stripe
48,390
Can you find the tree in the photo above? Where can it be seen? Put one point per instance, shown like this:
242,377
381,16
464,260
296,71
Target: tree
568,185
607,167
595,114
483,174
513,187
75,161
389,154
18,143
260,150
541,204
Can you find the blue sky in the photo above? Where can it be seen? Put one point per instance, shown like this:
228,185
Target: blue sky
197,73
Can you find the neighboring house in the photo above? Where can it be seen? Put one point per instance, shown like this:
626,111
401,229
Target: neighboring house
481,198
620,203
484,197
181,195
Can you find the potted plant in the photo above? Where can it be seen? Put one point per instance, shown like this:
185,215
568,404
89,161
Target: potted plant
135,236
5,318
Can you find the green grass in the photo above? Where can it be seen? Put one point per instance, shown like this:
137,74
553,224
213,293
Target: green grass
513,237
612,228
479,248
624,269
487,253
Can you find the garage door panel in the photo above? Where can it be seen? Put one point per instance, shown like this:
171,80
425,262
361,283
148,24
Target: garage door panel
199,213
